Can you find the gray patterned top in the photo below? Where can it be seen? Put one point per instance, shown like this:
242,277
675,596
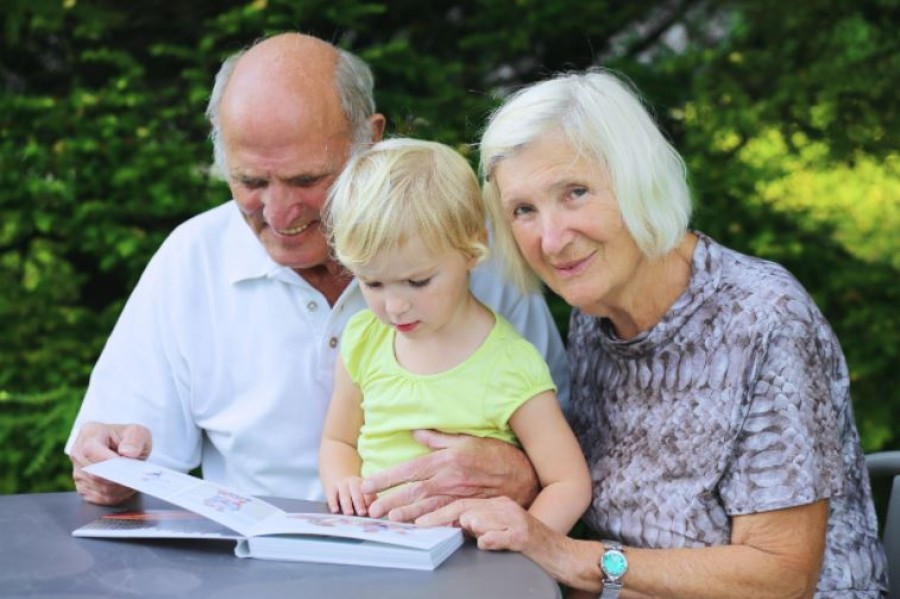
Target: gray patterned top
736,402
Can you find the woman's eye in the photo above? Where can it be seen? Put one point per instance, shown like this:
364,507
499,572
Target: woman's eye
372,284
419,283
522,210
579,191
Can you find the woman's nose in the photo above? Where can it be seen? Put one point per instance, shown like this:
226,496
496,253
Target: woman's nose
555,234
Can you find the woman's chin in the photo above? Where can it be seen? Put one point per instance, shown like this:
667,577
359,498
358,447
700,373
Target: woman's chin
579,298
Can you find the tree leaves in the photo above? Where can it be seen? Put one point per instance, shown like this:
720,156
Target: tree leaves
785,113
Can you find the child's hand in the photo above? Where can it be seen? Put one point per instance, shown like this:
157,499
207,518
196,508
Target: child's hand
347,497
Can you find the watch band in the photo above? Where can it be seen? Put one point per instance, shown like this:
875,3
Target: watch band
613,566
611,590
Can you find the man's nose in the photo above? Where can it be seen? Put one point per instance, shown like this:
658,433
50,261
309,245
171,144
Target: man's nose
277,201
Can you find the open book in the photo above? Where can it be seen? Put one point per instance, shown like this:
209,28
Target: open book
261,529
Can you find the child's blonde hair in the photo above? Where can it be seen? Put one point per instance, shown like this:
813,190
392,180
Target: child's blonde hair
402,188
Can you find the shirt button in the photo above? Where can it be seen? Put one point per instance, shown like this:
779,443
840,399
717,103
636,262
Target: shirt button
312,306
332,343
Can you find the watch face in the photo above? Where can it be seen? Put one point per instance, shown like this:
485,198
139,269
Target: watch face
614,563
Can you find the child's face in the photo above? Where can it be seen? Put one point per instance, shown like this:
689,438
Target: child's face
416,291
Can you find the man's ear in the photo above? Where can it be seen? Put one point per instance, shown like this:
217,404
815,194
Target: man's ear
377,123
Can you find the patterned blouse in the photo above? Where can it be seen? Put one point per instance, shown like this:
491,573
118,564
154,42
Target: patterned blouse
736,402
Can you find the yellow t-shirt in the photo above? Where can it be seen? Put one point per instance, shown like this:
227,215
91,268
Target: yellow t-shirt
476,397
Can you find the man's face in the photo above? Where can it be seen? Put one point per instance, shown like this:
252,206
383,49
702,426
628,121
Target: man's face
280,168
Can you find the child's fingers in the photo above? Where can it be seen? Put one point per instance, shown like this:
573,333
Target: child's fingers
331,497
345,498
359,500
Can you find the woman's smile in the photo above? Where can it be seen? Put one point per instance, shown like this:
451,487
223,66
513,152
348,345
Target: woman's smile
573,268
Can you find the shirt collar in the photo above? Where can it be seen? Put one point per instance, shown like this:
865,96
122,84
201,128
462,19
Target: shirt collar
245,256
247,259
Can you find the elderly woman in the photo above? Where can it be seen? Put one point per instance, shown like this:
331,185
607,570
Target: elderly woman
709,394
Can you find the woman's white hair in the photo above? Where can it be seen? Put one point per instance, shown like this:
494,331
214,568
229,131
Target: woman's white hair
601,115
355,85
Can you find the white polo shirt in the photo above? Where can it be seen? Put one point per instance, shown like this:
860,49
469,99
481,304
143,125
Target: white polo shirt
228,357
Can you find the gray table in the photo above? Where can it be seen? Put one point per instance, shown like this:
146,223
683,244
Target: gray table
40,558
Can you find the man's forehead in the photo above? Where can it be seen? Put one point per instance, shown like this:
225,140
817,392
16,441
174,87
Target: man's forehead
293,158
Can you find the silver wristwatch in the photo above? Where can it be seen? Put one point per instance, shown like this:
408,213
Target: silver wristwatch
613,564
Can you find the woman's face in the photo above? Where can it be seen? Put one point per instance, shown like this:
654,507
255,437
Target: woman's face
566,221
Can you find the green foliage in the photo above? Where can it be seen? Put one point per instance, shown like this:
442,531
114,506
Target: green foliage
783,112
30,432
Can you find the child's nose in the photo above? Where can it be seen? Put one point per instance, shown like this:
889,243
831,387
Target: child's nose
396,304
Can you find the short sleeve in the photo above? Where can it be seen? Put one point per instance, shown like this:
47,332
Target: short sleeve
357,341
519,374
141,376
788,449
529,314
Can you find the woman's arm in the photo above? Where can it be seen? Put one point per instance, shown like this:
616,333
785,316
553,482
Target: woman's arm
775,554
556,456
339,462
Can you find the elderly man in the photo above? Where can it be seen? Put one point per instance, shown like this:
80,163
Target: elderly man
223,356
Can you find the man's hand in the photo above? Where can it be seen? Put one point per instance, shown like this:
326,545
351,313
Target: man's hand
459,466
97,442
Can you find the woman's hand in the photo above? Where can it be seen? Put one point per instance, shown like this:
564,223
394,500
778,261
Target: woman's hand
502,524
497,523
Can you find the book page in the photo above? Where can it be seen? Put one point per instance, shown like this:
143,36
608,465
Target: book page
156,524
251,516
354,527
234,510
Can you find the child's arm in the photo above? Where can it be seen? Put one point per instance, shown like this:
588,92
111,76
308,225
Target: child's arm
557,458
339,463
